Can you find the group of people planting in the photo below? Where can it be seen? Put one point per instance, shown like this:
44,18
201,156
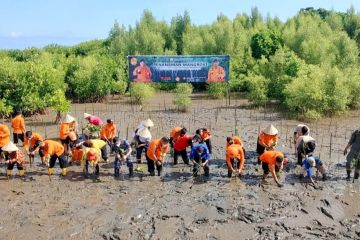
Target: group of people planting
100,141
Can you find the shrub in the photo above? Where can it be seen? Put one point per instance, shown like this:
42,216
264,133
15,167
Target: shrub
217,90
141,93
257,89
182,99
119,87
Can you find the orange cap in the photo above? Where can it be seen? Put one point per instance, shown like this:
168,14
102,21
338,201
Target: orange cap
91,155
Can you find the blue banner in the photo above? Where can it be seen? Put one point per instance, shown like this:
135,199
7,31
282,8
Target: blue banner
194,69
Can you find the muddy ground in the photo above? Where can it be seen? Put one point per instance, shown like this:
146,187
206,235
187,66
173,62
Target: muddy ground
177,206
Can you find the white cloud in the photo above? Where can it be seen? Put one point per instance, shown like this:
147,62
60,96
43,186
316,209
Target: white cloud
16,34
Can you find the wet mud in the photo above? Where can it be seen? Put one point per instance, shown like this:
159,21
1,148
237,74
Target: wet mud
176,205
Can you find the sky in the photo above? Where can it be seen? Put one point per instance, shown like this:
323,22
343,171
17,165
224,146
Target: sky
27,23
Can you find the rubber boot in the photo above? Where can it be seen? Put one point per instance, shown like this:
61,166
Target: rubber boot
8,172
152,173
131,172
50,171
64,172
159,172
356,175
21,173
97,170
348,172
324,177
116,172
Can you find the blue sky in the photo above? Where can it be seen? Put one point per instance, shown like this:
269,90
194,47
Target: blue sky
26,23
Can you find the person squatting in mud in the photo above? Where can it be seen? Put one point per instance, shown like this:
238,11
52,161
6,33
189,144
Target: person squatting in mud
200,157
122,150
155,155
14,156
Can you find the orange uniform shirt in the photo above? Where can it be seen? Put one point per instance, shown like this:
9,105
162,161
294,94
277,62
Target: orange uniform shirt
175,133
34,138
205,135
52,148
64,130
142,73
77,154
270,140
234,151
156,148
269,157
216,74
4,135
108,131
236,140
18,124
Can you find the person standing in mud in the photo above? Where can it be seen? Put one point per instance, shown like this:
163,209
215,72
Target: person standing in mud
31,139
142,138
14,156
298,132
4,138
180,146
18,125
99,145
123,151
91,157
267,140
235,159
354,154
303,144
108,131
55,151
200,157
175,134
155,155
235,140
205,137
272,161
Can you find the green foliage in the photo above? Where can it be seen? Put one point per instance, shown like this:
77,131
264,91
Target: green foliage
258,91
182,96
4,109
265,43
183,88
141,93
217,90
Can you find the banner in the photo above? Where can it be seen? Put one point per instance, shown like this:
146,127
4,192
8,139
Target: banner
194,69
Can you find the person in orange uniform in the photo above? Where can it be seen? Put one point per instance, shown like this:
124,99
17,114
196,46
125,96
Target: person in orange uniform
267,140
91,157
216,73
55,151
155,154
235,159
18,125
30,145
175,134
108,131
142,72
4,138
235,140
77,153
15,156
272,161
205,137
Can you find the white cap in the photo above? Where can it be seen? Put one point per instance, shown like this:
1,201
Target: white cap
10,147
147,123
86,115
68,119
270,130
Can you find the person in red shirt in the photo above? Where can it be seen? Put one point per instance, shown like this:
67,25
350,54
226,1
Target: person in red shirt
180,146
18,125
155,154
272,161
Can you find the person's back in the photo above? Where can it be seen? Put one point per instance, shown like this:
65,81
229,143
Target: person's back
18,124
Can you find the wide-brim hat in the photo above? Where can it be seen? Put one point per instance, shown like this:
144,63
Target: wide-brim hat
271,130
10,147
91,155
69,119
312,161
144,133
86,115
147,123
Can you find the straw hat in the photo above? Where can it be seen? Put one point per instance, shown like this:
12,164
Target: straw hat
68,119
271,130
86,115
10,147
147,123
144,133
311,161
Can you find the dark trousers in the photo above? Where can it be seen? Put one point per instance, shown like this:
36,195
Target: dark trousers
104,153
183,155
151,166
235,165
117,166
62,161
18,136
139,151
97,168
299,159
196,166
18,165
266,169
208,144
259,150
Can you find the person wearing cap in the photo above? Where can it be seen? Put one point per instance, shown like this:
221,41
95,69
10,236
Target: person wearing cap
235,159
55,151
77,153
155,155
30,144
305,145
4,137
142,72
14,156
272,161
143,138
216,73
18,126
267,140
300,130
122,151
180,146
308,164
205,137
93,120
99,145
200,157
354,154
108,131
91,157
